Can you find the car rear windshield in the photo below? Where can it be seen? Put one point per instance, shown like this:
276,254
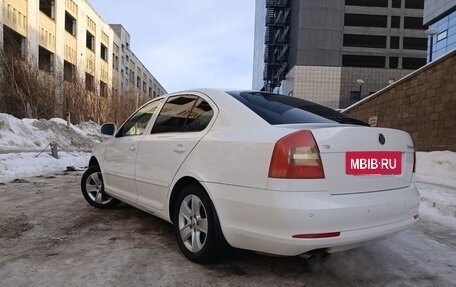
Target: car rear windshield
279,109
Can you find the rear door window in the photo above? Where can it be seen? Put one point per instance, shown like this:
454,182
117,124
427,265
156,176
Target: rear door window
200,117
186,113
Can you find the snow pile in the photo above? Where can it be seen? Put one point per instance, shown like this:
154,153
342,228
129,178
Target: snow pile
436,180
34,135
438,167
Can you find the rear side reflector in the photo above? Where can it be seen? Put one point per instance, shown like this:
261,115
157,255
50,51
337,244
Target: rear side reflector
316,235
296,156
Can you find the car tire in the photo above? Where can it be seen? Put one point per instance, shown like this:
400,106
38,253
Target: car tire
92,188
197,227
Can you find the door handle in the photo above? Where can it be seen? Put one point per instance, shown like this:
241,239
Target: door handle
132,148
179,149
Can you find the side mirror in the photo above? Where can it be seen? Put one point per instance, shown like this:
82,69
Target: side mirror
109,129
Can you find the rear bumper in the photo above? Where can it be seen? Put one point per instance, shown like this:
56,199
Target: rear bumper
265,221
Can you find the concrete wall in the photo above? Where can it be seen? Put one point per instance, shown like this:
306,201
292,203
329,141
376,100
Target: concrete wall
374,79
434,8
314,83
258,44
319,33
423,104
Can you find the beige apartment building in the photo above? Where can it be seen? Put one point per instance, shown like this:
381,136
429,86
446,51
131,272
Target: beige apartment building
67,38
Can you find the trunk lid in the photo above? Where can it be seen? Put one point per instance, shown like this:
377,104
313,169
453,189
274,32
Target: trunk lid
335,142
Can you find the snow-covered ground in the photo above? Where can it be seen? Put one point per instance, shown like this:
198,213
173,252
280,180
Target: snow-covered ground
436,180
34,135
21,140
26,164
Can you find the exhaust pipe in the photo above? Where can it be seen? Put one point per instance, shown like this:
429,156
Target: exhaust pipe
316,253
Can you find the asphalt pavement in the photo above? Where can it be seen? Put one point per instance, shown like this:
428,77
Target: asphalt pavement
49,236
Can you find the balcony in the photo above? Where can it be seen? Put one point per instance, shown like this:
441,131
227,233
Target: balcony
15,15
47,32
104,71
70,53
90,62
91,26
72,8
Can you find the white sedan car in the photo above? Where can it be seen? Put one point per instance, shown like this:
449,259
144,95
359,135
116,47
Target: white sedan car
257,171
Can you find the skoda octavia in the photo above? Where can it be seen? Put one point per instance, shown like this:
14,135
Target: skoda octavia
257,171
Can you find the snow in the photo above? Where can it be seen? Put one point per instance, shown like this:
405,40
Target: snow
438,167
21,140
20,165
436,181
438,204
34,135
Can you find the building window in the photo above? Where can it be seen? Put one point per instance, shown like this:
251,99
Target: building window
45,60
368,3
122,72
150,92
138,82
90,41
355,96
361,20
368,41
413,63
415,23
104,52
414,4
103,89
47,7
123,48
363,61
394,42
69,71
394,62
395,21
144,87
396,3
415,43
128,47
70,24
115,62
441,36
13,43
89,82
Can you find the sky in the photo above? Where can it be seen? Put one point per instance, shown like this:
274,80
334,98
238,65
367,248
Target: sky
189,43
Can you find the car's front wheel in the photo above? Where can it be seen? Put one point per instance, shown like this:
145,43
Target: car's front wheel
92,188
197,227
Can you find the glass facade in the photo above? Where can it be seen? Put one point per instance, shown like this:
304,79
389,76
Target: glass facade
259,46
444,40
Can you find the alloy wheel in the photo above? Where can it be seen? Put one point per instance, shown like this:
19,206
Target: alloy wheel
193,224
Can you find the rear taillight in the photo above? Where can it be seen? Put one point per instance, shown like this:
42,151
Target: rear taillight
296,156
414,161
